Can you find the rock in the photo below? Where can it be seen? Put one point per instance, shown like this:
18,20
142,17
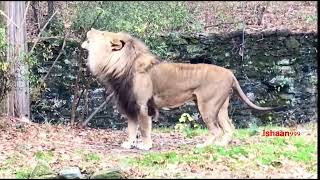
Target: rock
251,96
281,81
286,96
114,173
42,169
173,55
284,62
292,43
70,173
191,49
287,70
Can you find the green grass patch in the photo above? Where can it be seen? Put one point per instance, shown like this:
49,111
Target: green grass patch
254,149
271,150
44,155
198,155
88,156
151,159
23,173
162,159
11,160
187,131
190,133
92,156
6,166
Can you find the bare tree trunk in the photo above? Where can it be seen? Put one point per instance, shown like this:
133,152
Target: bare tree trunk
2,24
35,6
50,11
50,8
18,102
76,98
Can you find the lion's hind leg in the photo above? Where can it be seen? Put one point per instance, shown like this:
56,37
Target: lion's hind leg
226,124
209,111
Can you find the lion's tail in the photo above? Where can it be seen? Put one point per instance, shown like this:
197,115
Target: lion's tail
241,94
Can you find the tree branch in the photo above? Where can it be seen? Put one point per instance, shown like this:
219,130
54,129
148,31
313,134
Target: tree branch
55,61
4,14
43,28
58,38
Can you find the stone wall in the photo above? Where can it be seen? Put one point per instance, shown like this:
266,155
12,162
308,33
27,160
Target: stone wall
278,68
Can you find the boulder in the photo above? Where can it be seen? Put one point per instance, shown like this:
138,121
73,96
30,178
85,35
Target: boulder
114,173
70,173
42,169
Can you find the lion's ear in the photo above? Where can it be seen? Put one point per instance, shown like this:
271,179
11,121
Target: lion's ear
116,44
93,29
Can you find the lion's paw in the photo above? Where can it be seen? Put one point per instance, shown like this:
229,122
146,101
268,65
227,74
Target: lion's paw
143,146
128,145
208,142
223,141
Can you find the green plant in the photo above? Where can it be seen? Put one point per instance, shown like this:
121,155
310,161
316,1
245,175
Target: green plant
145,19
23,173
188,125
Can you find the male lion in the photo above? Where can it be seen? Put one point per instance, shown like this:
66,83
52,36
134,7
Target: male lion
142,85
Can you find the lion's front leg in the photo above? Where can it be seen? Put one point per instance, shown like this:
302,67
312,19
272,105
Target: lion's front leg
132,134
145,123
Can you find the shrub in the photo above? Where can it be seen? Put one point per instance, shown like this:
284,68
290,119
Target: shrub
145,19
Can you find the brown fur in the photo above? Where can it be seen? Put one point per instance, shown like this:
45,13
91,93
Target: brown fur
143,85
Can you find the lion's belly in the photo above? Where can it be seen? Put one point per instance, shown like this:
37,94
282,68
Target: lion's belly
173,100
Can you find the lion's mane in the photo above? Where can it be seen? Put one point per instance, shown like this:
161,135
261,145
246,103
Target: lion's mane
118,72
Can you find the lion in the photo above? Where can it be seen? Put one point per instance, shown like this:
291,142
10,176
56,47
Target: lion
142,84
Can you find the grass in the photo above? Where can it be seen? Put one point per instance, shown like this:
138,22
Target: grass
44,155
20,172
92,156
23,173
257,151
88,156
5,166
188,132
